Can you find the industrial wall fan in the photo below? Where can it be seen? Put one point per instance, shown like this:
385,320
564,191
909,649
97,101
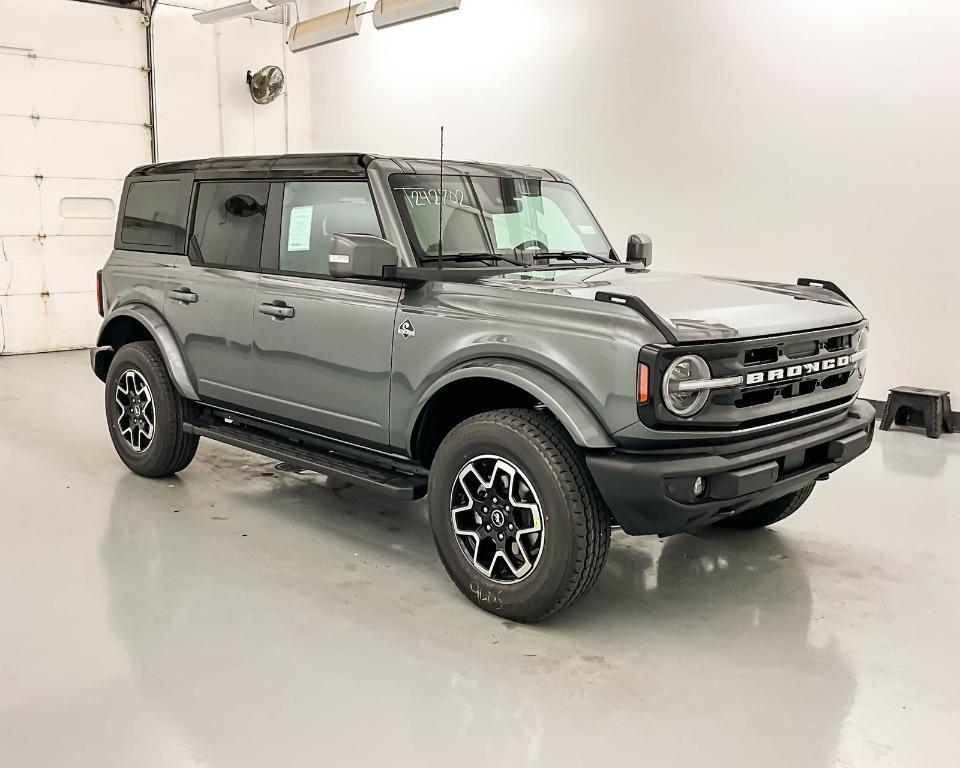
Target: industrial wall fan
266,84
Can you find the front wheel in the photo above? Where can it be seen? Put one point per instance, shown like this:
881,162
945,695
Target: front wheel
145,413
519,525
769,513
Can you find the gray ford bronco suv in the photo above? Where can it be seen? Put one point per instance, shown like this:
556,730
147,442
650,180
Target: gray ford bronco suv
466,332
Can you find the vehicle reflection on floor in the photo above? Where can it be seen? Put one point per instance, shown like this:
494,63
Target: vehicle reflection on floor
333,610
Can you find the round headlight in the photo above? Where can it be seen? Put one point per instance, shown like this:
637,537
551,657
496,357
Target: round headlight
680,401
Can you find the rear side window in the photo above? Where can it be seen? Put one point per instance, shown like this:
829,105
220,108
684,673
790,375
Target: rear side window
155,216
228,224
313,212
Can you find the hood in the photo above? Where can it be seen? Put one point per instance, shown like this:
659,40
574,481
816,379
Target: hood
697,307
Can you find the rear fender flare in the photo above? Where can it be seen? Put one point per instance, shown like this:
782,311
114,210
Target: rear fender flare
157,327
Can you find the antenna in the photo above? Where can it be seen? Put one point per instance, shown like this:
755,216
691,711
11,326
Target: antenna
440,200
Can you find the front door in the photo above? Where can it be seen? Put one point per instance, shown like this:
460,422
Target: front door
210,300
322,346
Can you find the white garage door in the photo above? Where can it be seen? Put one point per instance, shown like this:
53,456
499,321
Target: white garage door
74,115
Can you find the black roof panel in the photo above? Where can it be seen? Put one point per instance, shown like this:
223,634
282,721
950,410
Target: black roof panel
334,165
341,164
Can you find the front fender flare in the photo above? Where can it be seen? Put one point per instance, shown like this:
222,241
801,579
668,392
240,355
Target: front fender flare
580,422
157,327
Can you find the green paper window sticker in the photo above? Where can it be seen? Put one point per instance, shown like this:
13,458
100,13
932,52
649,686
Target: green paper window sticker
301,222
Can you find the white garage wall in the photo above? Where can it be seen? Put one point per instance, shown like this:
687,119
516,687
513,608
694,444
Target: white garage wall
762,139
204,107
73,120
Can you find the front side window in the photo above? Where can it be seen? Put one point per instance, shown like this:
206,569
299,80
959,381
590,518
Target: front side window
153,215
313,212
518,219
228,223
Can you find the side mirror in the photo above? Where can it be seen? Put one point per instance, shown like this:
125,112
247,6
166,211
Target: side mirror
640,248
242,206
361,256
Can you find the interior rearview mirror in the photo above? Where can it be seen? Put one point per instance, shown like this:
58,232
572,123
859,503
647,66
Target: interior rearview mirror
640,248
361,256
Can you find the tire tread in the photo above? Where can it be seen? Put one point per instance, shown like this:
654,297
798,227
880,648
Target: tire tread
177,456
562,456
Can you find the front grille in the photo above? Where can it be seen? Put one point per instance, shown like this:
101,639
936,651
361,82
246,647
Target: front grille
769,402
753,396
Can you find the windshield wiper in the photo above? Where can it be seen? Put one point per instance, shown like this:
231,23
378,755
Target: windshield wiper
573,256
474,257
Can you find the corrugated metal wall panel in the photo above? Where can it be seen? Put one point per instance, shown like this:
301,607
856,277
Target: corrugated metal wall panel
65,264
64,29
74,91
71,149
31,321
30,207
74,121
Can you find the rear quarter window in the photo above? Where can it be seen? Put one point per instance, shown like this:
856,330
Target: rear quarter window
154,216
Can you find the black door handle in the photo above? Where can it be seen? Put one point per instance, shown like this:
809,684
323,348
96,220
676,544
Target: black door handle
183,294
277,309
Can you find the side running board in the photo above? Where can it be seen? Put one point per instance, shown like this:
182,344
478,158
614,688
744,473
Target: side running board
399,485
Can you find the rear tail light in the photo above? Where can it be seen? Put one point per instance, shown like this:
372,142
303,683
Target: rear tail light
100,292
643,383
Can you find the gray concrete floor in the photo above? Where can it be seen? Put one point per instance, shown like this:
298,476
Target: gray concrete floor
243,616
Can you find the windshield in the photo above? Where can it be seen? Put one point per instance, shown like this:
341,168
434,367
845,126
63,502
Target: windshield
516,220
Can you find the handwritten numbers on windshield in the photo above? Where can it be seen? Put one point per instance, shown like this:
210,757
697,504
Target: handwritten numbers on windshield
432,196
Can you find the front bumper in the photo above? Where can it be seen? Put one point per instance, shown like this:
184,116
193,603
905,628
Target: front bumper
653,492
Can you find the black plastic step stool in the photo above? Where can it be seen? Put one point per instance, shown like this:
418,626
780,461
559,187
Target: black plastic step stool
933,405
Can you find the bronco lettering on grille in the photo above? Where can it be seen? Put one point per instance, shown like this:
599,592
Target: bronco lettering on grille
796,371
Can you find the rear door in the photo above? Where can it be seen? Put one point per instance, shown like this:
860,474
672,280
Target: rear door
322,346
211,291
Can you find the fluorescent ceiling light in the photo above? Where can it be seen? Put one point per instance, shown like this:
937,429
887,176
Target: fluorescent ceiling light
234,11
386,13
320,30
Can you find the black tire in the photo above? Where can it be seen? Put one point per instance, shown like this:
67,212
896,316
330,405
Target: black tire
170,449
575,521
769,513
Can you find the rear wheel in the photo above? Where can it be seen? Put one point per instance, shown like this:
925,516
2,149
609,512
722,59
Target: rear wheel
145,413
769,513
518,522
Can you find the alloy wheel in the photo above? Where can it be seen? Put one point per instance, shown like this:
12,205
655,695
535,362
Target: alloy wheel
136,414
497,519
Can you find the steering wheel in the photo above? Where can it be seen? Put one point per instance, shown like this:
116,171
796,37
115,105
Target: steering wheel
538,244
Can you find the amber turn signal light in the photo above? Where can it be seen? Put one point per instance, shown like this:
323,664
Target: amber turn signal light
643,383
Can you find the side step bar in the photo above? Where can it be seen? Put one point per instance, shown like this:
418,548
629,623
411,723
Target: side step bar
399,485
